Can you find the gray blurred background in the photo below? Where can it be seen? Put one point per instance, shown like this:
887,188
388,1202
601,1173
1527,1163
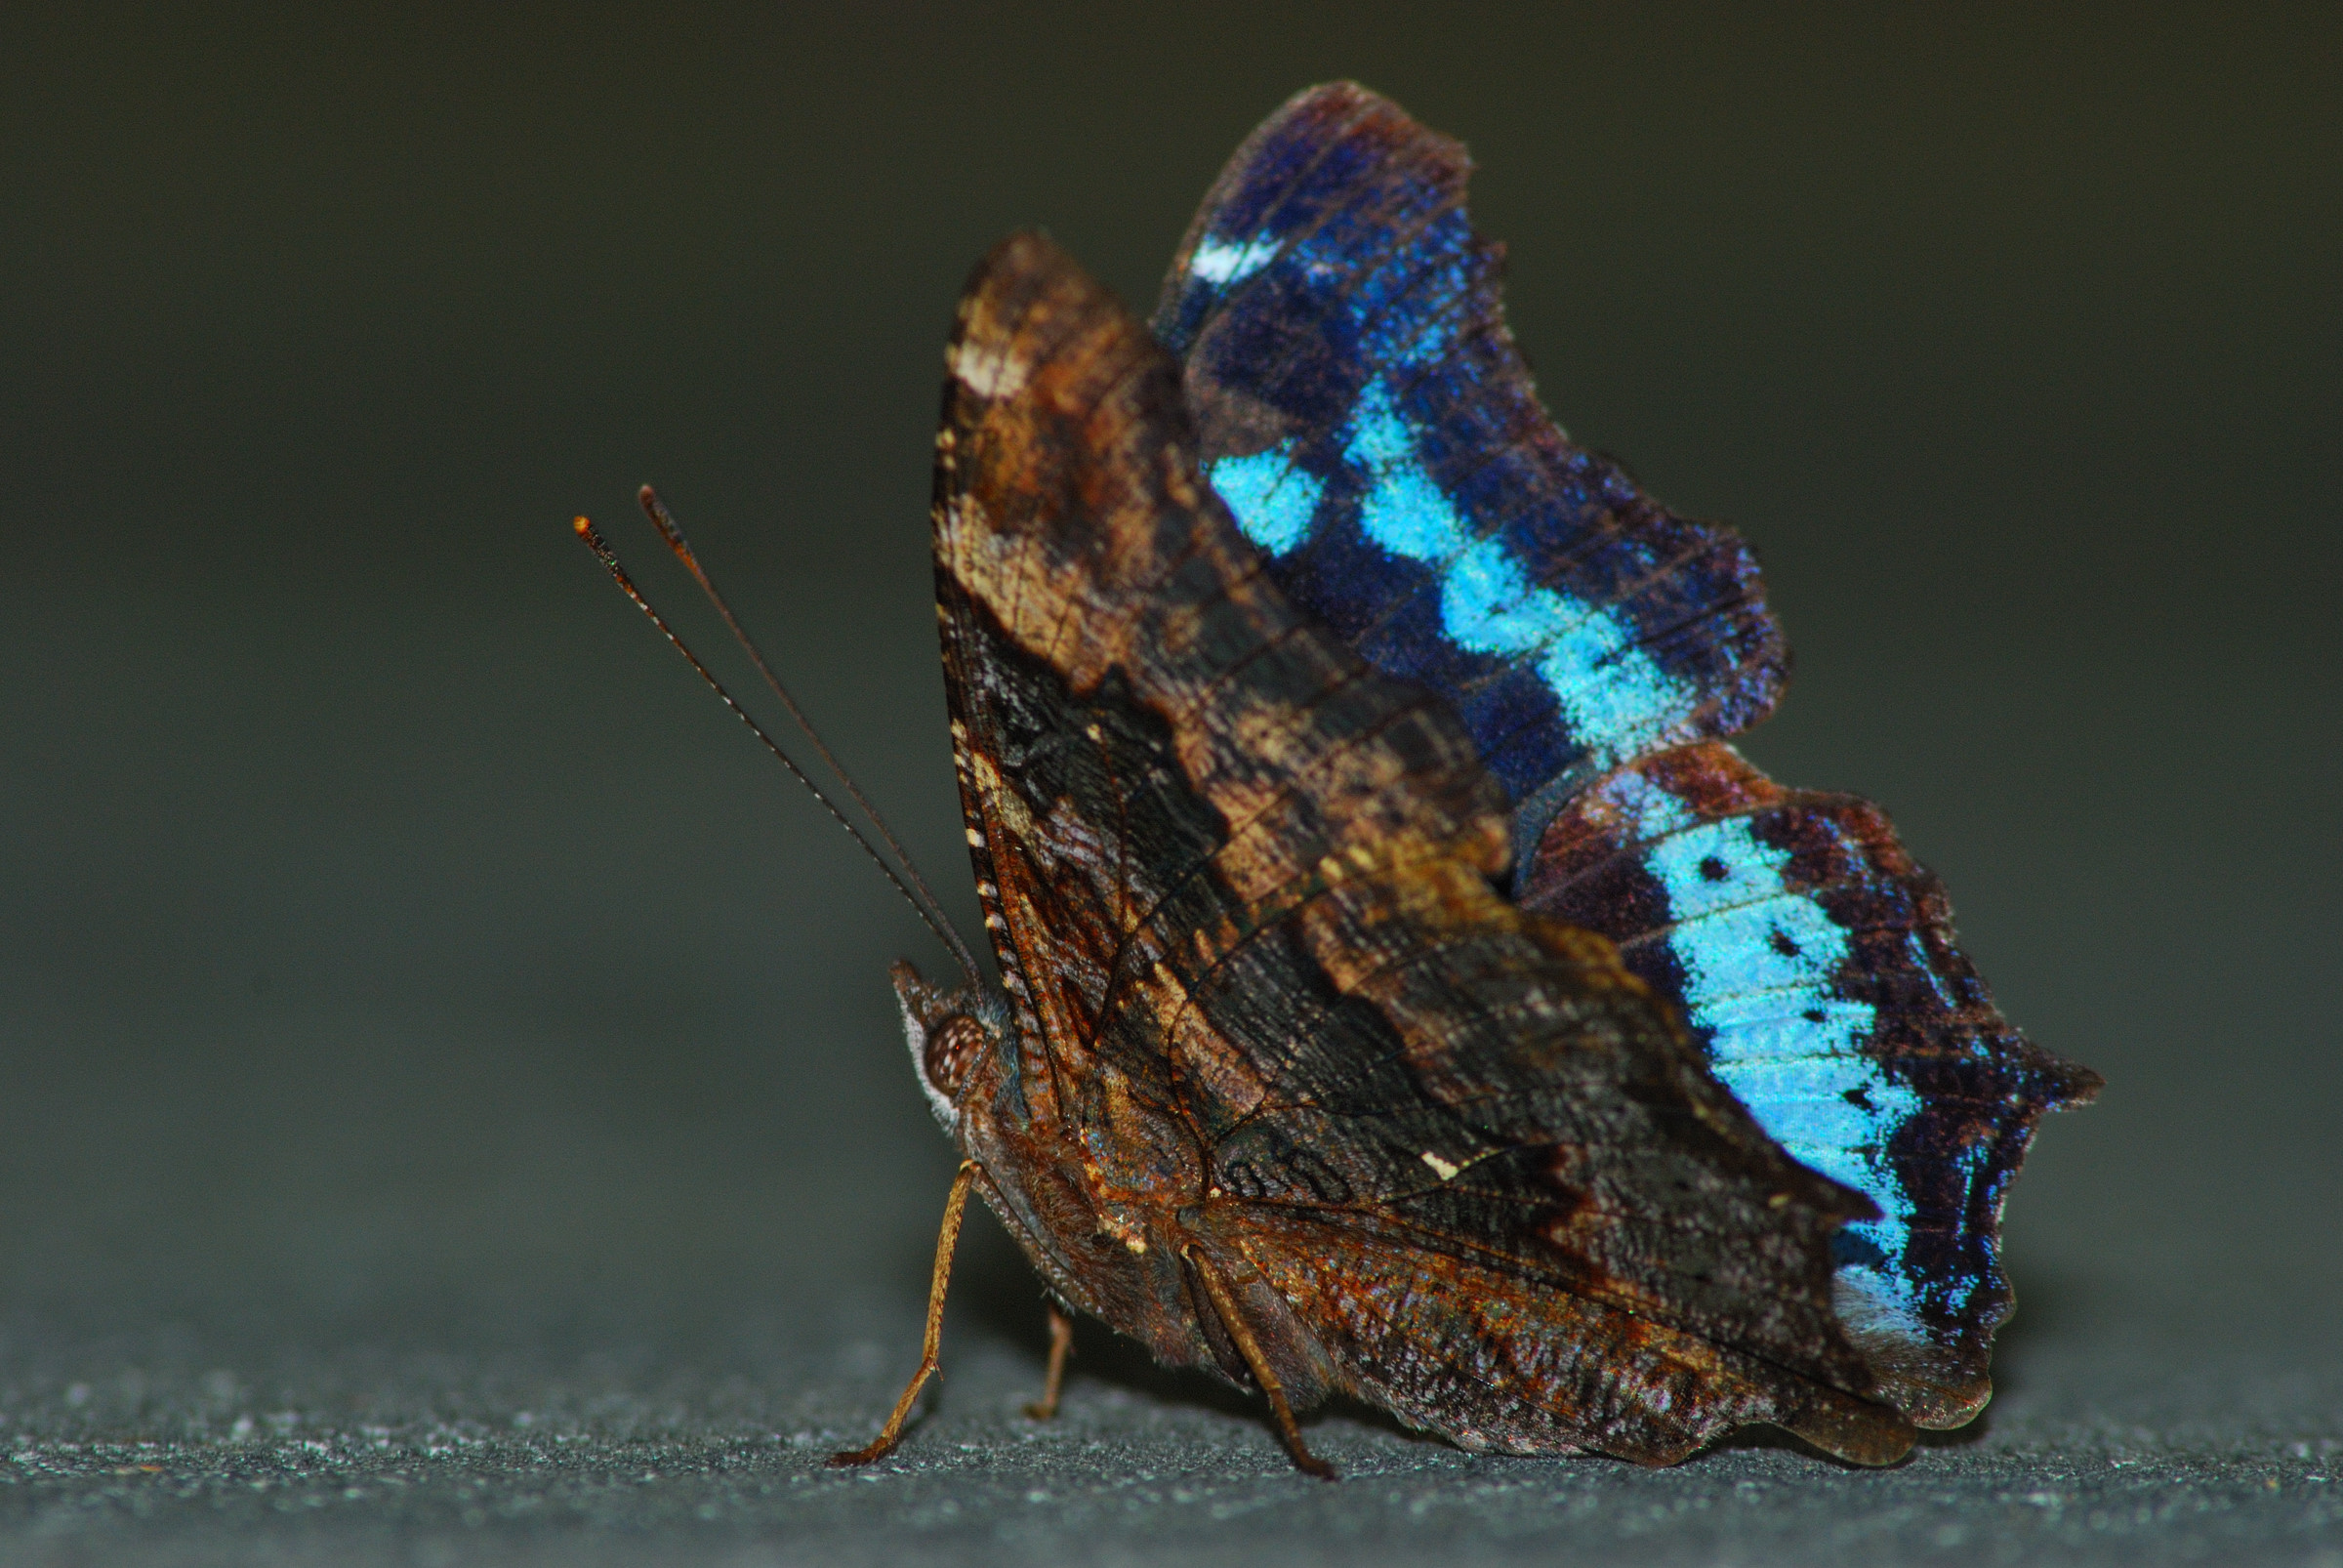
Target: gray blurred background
397,945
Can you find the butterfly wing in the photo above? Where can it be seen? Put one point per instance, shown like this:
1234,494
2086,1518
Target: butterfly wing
1364,412
1816,965
1267,1001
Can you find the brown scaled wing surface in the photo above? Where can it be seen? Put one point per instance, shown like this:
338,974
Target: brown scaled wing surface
1452,1156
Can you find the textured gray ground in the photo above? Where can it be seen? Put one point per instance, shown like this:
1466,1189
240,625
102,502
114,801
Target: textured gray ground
2121,1435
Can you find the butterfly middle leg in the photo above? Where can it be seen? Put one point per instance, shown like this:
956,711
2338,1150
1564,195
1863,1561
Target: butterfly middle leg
1061,1345
1249,1346
955,1209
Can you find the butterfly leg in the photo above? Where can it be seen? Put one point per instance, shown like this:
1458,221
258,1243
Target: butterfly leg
1061,1345
954,1207
1250,1347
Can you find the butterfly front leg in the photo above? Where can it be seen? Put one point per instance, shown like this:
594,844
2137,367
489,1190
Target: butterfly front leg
955,1209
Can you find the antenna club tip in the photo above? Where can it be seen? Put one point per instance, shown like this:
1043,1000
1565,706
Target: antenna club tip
656,510
584,528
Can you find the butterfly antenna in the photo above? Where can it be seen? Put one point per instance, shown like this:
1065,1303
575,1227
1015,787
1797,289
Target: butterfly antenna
930,914
665,521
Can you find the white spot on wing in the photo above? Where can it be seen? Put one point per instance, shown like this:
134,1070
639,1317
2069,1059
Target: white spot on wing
1440,1168
997,373
1218,260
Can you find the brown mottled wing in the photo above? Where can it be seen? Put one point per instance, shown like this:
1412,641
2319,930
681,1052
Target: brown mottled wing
1239,884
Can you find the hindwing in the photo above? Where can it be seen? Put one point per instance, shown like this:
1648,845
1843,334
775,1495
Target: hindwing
1266,996
1815,965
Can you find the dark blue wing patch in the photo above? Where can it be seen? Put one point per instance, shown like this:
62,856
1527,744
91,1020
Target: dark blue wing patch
1815,965
1367,417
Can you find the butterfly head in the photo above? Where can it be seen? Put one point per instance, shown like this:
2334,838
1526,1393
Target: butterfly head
952,1034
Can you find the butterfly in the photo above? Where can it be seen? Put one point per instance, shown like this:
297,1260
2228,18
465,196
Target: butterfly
1405,991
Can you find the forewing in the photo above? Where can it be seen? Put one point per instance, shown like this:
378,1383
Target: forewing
1816,965
1240,885
1364,412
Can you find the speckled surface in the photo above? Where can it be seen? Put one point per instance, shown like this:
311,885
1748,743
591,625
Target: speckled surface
2119,1437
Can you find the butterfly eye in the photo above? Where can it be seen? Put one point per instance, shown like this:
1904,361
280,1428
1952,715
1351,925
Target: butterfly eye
951,1053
